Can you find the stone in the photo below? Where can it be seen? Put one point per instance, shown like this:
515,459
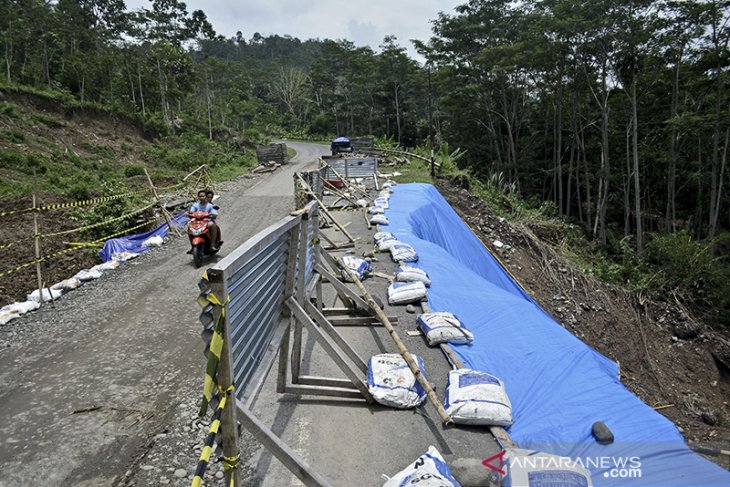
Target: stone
410,308
219,475
180,473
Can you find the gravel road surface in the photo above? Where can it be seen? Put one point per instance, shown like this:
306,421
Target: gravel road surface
90,384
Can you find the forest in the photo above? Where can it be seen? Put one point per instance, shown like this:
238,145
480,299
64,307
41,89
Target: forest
614,116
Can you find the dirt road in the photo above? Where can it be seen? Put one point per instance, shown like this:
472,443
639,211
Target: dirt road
87,383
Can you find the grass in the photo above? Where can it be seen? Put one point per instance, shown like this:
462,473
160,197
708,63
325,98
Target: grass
290,153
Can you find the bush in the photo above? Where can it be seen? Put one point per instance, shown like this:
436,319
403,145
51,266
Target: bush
131,170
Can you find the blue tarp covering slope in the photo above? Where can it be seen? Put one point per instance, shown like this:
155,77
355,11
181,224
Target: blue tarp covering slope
133,243
558,385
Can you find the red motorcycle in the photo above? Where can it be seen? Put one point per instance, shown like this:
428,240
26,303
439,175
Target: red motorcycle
199,234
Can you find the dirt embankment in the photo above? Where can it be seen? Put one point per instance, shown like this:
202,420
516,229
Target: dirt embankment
673,363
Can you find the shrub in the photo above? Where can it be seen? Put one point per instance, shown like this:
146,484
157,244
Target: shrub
131,170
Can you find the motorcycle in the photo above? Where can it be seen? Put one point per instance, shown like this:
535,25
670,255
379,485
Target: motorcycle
199,235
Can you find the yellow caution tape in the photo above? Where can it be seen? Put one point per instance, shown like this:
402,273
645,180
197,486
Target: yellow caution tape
70,204
208,445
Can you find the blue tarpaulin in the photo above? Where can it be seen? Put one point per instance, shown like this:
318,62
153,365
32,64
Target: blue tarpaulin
558,385
133,243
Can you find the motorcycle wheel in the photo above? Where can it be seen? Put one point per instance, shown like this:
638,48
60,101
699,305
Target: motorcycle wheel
198,255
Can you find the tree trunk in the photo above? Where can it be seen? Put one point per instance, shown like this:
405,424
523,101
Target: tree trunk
637,179
207,105
163,101
141,92
397,113
627,184
671,210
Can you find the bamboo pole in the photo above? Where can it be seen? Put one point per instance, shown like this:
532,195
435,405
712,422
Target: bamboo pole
337,192
165,213
308,190
401,346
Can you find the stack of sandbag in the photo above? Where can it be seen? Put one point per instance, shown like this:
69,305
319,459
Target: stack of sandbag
443,327
88,275
402,252
67,284
359,266
429,470
478,398
384,240
406,292
391,382
375,210
48,294
527,468
406,273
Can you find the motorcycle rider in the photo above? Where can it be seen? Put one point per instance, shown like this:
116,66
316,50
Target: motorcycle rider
203,205
209,193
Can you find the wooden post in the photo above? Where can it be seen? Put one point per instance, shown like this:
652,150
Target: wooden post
165,213
37,239
401,346
229,421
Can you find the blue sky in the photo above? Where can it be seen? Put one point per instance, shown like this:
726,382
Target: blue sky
363,22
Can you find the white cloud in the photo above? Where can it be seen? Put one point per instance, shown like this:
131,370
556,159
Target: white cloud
361,21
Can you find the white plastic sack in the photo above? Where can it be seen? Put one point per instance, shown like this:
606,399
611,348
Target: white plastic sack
87,275
406,292
379,219
443,327
391,382
381,201
123,256
155,241
106,266
402,252
388,184
430,470
357,265
375,210
475,397
384,240
48,294
406,273
14,310
362,203
67,284
527,468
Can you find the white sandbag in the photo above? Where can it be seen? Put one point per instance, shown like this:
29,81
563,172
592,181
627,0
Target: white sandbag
406,273
475,397
155,241
527,468
124,256
391,382
406,292
375,210
15,310
384,240
362,203
47,295
106,266
443,327
67,284
357,265
430,470
7,317
378,219
402,252
380,201
388,184
87,275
